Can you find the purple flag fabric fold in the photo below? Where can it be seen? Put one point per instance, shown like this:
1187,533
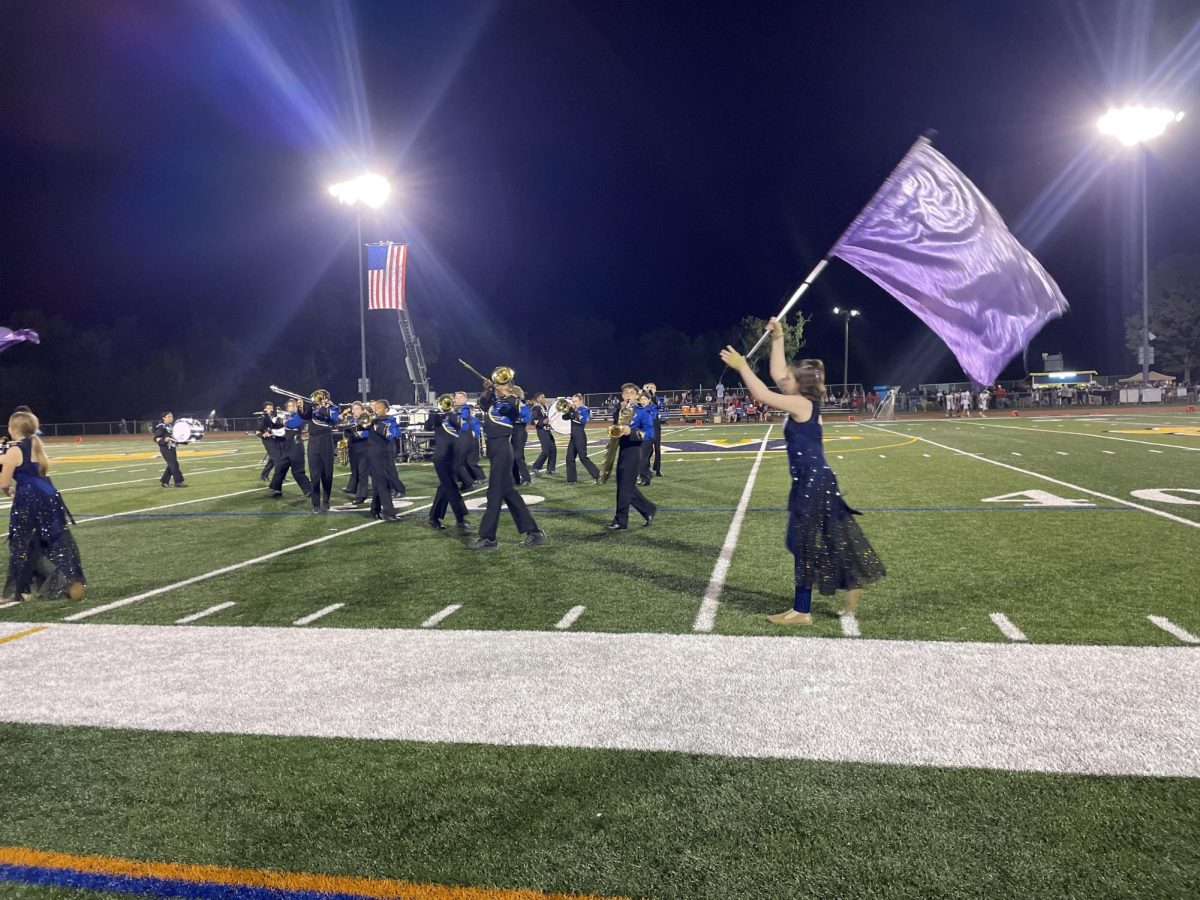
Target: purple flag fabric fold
934,242
10,338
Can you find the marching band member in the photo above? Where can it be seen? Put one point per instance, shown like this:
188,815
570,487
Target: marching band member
291,457
166,446
466,437
577,447
645,399
444,424
500,410
630,458
660,415
42,552
357,452
830,551
474,446
321,418
540,418
520,436
268,424
380,436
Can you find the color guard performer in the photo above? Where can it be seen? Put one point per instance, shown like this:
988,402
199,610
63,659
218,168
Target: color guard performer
633,435
444,424
540,418
291,457
321,418
500,411
166,446
270,429
579,417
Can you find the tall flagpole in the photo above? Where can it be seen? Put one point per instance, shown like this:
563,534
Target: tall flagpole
362,309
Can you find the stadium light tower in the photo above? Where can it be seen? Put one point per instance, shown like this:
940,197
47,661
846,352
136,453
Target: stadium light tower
365,190
1133,126
846,314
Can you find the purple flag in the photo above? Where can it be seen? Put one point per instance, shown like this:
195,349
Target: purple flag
10,338
934,242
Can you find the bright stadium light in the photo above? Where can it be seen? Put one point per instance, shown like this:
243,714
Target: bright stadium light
1137,124
371,190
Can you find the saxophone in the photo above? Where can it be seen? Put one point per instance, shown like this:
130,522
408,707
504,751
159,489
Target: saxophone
624,417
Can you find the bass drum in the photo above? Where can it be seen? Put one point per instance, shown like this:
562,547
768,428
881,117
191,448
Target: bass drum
558,424
185,431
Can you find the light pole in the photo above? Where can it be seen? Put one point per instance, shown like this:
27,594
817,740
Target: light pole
373,191
846,314
1133,126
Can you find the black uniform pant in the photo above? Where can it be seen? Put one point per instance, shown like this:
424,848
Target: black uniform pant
291,460
502,491
271,445
448,494
519,438
359,477
172,469
549,455
379,461
462,448
629,464
578,448
658,428
393,475
320,465
473,466
647,451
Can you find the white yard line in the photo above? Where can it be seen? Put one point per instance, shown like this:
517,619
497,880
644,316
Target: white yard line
1171,628
1023,707
1011,631
304,620
441,614
10,603
116,604
1105,437
707,615
134,512
850,625
569,619
205,612
1075,487
90,487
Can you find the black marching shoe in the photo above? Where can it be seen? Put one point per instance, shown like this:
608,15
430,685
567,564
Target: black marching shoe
435,524
644,482
484,544
595,481
615,526
534,539
658,474
649,521
392,518
464,525
273,493
164,484
180,484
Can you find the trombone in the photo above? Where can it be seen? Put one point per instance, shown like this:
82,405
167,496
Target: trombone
319,397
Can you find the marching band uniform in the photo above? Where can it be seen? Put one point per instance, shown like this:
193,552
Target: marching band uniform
473,447
645,401
166,446
629,465
321,420
499,414
540,418
267,426
520,436
380,436
577,447
660,415
445,440
291,457
359,474
466,437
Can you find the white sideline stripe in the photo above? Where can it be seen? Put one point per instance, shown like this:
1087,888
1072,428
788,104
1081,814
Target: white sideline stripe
1015,453
442,614
10,603
132,512
304,620
1061,453
1011,631
569,619
116,604
205,612
707,615
1106,437
1171,628
995,462
1156,451
927,456
850,625
1109,452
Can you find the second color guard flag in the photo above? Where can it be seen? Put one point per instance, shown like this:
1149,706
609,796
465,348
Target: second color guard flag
386,265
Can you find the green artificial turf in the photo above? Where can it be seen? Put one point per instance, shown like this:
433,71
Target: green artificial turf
609,822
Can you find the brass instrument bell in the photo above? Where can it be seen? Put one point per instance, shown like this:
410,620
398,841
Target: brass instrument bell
445,402
503,374
563,405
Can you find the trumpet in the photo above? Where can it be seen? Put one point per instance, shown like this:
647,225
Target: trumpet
319,397
445,402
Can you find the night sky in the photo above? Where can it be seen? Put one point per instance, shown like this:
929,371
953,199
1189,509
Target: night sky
641,162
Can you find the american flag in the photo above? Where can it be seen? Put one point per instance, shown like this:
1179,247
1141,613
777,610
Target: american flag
386,264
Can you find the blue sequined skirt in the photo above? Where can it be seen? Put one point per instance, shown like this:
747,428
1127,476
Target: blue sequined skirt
42,554
831,552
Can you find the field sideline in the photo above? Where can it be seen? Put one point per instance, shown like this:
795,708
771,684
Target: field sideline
254,686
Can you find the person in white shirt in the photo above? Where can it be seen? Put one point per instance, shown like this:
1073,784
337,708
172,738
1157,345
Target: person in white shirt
951,404
965,403
985,397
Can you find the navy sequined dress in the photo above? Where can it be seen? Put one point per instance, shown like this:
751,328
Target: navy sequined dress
832,553
41,551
